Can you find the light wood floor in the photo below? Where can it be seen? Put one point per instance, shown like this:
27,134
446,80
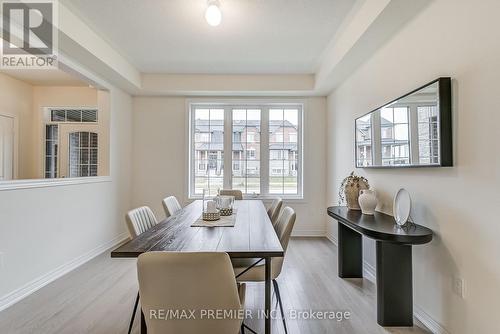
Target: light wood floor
98,297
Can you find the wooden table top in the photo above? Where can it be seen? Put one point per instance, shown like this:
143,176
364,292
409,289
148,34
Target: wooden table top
252,236
381,226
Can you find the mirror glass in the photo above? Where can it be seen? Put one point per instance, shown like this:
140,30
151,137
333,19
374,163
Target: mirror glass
405,132
52,125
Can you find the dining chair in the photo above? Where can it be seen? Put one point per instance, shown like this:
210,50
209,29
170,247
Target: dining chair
253,270
171,205
140,220
238,195
274,210
194,281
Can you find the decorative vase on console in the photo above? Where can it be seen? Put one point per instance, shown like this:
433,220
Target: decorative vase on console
350,189
367,201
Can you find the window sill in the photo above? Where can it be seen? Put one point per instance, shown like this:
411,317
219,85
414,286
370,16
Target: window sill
42,183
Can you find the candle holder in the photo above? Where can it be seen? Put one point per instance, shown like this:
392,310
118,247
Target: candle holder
209,211
224,204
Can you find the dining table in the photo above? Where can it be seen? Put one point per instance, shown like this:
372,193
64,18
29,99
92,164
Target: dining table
252,236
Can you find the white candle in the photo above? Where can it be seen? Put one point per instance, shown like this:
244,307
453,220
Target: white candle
211,207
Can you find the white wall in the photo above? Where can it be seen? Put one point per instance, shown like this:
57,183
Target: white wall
44,229
457,39
160,158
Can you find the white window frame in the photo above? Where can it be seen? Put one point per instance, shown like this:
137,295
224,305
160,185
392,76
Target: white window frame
264,105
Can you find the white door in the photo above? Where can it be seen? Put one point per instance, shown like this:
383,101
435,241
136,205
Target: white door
79,146
6,148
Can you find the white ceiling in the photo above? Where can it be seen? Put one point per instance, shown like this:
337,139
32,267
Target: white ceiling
255,36
45,77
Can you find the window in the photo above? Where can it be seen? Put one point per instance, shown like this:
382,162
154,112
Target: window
83,154
260,137
251,154
247,123
428,134
395,135
54,117
275,154
208,150
73,115
283,125
364,140
51,144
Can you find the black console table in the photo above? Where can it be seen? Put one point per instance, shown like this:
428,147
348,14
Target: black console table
394,261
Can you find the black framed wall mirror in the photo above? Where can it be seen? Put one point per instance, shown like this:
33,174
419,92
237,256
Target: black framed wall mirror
414,130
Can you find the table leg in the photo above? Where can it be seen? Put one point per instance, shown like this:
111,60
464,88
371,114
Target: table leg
268,296
144,329
394,284
350,252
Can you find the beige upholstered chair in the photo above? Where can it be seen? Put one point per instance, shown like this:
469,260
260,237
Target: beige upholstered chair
171,205
198,281
230,192
283,227
140,220
274,210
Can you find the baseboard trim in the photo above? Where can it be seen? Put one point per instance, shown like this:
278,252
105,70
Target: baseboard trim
428,321
38,283
308,233
370,273
332,238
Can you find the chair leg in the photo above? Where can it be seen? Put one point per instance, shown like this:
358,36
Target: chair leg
133,314
272,298
243,326
277,290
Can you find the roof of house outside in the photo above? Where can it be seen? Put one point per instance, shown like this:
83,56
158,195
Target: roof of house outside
217,147
203,125
283,146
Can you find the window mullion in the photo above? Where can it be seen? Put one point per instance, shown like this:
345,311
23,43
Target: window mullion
264,151
228,150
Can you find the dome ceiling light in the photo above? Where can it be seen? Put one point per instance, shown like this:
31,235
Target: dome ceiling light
213,14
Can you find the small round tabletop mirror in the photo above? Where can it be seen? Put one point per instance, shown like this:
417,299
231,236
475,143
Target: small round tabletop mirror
402,206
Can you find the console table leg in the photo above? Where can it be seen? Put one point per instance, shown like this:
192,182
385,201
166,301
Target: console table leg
350,255
394,284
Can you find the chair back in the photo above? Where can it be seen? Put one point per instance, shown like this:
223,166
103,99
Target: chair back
140,220
274,210
231,192
283,228
199,281
171,205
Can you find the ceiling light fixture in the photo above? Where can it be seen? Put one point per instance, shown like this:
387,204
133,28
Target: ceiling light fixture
213,15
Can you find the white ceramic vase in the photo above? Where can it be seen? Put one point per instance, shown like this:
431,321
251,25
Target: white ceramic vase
367,201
